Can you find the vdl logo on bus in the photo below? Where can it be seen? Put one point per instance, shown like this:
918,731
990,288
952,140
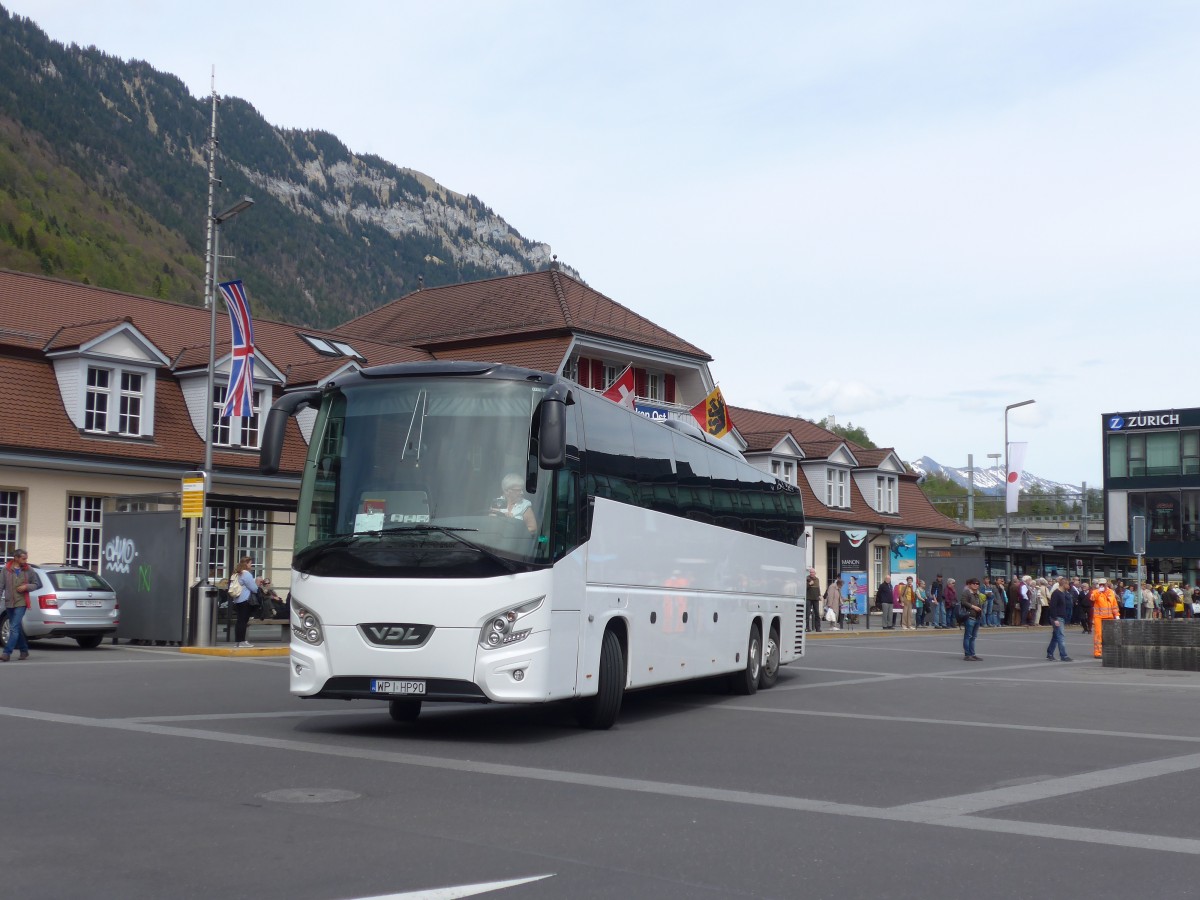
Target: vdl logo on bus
388,634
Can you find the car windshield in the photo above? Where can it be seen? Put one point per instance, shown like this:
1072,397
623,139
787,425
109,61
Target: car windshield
430,477
78,581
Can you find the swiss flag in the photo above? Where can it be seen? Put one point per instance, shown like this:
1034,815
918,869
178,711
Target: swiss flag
621,390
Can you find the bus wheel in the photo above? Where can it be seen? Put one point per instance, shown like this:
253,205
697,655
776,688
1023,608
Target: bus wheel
600,712
746,681
404,710
770,667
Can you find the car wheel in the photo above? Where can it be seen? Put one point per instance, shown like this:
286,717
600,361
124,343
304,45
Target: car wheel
4,629
599,712
90,641
770,666
404,710
745,681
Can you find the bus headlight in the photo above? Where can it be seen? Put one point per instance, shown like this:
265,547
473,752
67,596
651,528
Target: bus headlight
306,625
501,630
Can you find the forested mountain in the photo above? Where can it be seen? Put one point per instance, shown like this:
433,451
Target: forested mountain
103,167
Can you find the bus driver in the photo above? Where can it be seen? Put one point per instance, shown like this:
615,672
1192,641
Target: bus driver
512,503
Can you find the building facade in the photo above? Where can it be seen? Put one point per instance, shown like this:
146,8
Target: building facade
1152,470
110,392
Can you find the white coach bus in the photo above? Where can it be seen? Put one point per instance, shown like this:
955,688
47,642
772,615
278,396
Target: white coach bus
482,533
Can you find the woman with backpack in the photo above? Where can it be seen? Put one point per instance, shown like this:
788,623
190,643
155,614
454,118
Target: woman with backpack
242,589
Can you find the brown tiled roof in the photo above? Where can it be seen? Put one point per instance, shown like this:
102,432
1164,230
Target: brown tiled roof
916,511
72,314
761,441
547,303
75,335
543,354
175,441
804,431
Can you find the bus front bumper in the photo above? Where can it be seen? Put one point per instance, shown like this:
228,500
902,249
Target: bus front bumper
450,666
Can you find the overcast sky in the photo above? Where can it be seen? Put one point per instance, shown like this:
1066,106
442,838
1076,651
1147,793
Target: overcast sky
907,215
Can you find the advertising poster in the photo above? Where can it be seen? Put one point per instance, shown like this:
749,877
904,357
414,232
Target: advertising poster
854,593
902,557
852,561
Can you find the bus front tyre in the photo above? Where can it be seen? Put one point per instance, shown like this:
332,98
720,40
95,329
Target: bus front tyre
599,712
404,710
745,681
770,666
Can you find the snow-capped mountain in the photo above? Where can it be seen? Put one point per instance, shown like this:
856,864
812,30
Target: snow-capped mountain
988,480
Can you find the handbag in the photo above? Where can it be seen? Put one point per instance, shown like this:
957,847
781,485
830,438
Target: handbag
830,615
235,587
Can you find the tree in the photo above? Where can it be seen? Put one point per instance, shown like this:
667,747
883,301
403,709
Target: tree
856,434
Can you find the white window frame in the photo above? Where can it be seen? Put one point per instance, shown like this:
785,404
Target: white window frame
250,527
654,386
837,489
97,399
117,400
783,470
879,557
885,493
609,375
10,523
235,432
85,523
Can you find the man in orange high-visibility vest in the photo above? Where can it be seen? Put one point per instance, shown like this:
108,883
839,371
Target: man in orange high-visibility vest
1104,606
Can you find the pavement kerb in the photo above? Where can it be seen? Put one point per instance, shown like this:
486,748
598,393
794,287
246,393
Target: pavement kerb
826,635
236,651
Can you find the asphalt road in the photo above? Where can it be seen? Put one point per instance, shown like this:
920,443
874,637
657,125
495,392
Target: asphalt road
879,766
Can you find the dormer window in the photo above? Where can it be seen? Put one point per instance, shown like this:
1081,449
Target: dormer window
836,488
885,493
101,400
783,470
235,431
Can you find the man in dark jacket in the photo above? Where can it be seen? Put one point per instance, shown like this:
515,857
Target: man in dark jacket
1060,612
885,599
812,601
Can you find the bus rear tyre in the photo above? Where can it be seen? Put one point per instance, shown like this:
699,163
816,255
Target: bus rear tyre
601,711
770,666
745,682
404,710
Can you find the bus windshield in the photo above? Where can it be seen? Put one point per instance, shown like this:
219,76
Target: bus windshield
424,477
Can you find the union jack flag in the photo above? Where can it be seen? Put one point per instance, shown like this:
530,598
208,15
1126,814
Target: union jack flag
239,396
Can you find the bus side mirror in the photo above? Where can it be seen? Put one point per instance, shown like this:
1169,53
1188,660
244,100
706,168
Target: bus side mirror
272,440
552,428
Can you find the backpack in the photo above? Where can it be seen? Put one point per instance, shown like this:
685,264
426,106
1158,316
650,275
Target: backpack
235,587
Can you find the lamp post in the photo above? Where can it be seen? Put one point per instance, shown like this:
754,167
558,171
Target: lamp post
995,458
205,608
1006,472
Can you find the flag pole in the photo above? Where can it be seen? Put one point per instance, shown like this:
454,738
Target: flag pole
207,606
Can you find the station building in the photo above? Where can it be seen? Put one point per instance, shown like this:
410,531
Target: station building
107,395
1152,469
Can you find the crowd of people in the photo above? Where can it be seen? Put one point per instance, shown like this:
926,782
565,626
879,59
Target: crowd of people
1022,601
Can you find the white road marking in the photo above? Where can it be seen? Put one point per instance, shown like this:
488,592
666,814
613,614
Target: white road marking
464,890
914,720
946,813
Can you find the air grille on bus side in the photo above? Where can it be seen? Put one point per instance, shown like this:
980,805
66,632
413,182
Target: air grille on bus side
802,612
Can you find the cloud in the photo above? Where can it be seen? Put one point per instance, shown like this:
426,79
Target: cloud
842,398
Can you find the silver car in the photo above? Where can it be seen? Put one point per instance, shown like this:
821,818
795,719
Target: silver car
69,602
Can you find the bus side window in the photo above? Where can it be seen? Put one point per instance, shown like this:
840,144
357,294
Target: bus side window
566,510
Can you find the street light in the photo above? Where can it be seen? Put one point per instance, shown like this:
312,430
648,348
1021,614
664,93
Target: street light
1006,472
205,610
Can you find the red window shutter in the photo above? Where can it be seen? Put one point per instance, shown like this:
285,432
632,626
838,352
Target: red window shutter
669,388
584,367
639,381
597,373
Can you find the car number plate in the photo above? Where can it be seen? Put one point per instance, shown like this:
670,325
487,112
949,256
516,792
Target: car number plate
88,603
380,686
